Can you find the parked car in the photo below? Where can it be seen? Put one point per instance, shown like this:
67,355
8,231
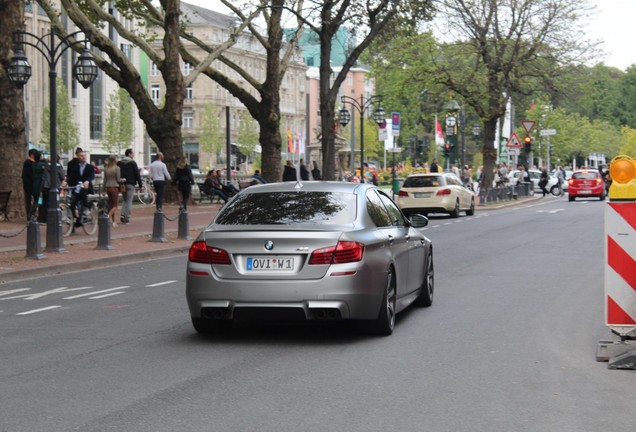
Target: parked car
435,193
585,184
314,251
535,176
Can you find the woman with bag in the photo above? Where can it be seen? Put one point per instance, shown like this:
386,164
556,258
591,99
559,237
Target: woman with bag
184,180
113,183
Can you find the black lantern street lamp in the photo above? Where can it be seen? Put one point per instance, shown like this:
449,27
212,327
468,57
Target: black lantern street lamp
84,71
362,104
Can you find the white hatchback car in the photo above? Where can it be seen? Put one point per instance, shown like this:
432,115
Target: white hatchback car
435,193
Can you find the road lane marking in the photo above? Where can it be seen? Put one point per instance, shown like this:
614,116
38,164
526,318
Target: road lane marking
106,295
160,283
38,310
13,291
45,293
96,292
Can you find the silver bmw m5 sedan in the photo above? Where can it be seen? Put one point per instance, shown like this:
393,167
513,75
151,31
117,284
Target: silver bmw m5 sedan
309,251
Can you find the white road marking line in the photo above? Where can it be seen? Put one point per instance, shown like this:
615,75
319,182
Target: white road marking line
38,310
13,291
45,293
160,283
106,295
95,292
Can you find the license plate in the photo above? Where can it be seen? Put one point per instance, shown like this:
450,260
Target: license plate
422,195
585,192
270,263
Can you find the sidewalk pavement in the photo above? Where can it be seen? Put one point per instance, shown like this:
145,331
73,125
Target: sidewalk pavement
130,243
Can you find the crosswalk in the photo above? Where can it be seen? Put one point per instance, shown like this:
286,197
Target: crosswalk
17,299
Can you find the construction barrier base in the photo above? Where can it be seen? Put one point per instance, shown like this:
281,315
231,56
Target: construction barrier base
618,354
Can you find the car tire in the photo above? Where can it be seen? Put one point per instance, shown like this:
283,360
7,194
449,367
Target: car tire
471,210
455,212
570,198
384,324
602,197
207,326
425,299
554,191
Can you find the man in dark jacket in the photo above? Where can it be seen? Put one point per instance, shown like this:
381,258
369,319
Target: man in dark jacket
129,171
27,182
80,180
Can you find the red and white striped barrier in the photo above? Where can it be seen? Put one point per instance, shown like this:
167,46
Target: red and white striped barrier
620,268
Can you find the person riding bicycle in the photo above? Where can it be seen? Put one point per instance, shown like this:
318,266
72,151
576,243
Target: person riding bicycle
80,180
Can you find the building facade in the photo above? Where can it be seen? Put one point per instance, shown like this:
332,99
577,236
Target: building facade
88,105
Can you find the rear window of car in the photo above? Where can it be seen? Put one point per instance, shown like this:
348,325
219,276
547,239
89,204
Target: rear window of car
283,208
585,175
421,181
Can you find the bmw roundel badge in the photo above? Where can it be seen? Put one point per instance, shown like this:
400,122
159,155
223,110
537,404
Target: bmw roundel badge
269,245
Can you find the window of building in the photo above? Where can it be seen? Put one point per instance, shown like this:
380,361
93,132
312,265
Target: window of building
127,50
188,92
155,94
154,70
188,120
187,68
191,152
96,107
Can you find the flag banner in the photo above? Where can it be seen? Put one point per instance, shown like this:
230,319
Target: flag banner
439,134
290,141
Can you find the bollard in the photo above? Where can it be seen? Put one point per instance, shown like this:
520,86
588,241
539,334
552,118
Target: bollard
103,235
34,247
157,228
184,228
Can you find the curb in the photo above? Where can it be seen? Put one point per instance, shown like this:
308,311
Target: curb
80,266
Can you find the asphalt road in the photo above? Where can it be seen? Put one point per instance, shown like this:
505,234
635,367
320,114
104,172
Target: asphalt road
508,345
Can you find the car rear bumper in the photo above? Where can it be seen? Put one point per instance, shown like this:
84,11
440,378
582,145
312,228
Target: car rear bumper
356,296
586,191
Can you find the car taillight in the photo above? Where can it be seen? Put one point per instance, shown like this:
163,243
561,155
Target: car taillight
443,192
343,252
403,193
204,254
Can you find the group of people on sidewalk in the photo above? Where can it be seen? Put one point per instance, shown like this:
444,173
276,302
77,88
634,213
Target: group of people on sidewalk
120,176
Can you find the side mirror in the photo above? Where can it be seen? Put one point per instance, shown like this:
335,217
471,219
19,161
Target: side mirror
418,221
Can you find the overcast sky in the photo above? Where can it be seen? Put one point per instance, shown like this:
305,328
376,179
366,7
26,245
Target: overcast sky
614,25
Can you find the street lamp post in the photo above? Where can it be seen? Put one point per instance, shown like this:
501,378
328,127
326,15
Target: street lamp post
84,71
362,104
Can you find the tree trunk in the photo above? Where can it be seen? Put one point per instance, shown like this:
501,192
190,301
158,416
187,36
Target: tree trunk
489,153
13,146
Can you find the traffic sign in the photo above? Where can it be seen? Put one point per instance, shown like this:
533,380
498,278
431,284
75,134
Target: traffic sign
513,141
547,132
527,125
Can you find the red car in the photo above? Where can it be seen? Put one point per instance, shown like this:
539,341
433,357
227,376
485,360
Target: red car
585,184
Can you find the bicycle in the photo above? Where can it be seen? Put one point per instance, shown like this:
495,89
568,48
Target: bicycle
145,194
88,218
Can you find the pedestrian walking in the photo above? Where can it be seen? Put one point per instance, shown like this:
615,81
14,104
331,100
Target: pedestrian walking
315,172
159,174
112,180
129,171
434,166
289,172
184,180
46,188
304,172
543,182
27,182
